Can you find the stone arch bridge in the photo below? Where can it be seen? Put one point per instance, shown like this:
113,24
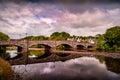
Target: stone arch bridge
23,45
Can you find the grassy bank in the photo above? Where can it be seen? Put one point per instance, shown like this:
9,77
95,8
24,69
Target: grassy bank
6,72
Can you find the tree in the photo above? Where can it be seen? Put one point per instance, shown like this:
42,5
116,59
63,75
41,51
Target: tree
28,37
110,41
65,35
100,42
112,36
3,36
36,38
59,36
90,37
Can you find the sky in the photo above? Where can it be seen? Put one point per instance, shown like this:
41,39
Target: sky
43,17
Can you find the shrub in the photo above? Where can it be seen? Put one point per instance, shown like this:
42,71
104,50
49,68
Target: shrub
6,72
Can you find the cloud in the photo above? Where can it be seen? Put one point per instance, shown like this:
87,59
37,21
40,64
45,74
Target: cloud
87,23
65,0
44,19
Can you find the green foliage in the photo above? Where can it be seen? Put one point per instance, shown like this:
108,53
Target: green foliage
110,41
36,53
36,38
6,71
60,47
3,36
100,42
62,54
113,64
28,37
90,37
5,55
101,59
53,36
40,46
112,36
59,36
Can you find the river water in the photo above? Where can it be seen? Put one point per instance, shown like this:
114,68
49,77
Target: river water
12,53
83,68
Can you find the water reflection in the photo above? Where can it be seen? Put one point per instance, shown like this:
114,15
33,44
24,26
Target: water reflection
113,64
62,54
84,68
13,53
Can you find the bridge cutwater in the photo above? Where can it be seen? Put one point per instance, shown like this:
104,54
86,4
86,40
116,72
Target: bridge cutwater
50,45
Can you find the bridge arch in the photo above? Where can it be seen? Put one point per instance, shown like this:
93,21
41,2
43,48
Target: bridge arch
40,43
80,47
46,47
43,50
66,46
19,48
90,47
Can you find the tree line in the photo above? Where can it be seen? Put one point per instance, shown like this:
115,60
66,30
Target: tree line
53,36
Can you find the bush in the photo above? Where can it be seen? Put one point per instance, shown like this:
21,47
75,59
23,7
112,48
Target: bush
6,72
5,55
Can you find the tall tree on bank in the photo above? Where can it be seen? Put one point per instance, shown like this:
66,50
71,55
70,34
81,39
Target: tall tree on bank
112,36
110,41
3,36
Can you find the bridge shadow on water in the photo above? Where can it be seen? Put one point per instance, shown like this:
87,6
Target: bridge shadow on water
62,54
47,57
51,57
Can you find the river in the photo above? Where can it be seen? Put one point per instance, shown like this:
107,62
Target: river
12,53
83,68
